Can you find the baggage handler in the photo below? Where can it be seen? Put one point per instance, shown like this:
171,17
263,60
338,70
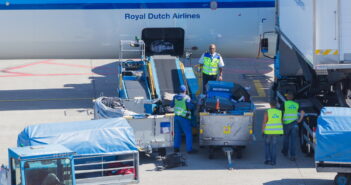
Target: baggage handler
272,128
212,65
182,106
291,119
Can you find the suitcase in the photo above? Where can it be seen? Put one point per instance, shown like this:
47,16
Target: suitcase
224,104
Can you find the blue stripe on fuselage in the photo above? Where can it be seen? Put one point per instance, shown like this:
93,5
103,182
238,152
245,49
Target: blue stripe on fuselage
132,4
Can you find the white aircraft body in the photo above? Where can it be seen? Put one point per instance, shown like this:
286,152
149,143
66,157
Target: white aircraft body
94,28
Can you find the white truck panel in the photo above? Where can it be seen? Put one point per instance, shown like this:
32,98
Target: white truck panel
346,30
295,17
326,25
319,29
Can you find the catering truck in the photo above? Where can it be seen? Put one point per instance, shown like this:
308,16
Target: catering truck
313,57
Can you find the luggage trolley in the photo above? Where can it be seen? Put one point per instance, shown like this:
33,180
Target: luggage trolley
225,122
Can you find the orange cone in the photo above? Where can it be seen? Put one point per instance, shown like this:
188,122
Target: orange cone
217,105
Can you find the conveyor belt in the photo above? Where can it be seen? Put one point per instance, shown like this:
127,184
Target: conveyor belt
134,105
135,88
167,74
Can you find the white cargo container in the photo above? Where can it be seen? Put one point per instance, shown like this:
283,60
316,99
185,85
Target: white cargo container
319,29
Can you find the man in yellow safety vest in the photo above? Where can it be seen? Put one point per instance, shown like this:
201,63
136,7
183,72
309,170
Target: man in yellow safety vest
182,120
291,119
272,128
211,64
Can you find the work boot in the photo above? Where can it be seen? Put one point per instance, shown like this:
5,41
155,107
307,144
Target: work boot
193,151
176,150
273,163
292,159
267,162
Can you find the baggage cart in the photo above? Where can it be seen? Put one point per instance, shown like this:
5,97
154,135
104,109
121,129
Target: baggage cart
104,150
230,130
333,151
152,132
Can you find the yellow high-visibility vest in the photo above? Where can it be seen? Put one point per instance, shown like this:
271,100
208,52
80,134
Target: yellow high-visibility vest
180,108
274,125
211,64
291,111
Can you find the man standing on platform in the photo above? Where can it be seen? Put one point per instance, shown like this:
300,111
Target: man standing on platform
212,65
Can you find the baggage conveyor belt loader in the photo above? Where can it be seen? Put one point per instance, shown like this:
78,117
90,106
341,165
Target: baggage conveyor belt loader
145,89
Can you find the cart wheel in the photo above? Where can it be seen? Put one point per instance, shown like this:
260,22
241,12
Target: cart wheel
341,179
210,152
162,152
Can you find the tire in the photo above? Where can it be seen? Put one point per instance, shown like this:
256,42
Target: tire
343,94
162,152
342,179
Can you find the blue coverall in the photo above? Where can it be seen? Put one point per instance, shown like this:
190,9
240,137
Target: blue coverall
183,124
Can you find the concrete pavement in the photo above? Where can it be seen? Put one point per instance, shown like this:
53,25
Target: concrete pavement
43,91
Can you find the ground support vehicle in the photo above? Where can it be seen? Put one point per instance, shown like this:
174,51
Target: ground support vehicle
145,89
43,165
226,119
313,64
104,150
333,151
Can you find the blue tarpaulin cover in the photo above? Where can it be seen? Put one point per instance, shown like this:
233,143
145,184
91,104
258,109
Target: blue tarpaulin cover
333,135
103,136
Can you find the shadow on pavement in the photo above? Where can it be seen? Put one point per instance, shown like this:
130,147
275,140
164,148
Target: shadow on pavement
300,182
103,82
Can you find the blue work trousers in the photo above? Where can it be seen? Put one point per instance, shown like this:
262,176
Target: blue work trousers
271,147
182,125
290,136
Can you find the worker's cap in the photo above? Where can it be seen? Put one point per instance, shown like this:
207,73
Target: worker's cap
182,88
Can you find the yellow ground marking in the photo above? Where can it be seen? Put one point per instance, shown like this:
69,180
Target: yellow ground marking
259,88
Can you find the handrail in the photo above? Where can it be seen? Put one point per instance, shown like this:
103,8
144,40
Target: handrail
102,162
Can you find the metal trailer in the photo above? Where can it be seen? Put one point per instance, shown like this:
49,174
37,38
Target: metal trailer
153,132
231,129
333,151
116,168
232,132
104,150
343,170
313,58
